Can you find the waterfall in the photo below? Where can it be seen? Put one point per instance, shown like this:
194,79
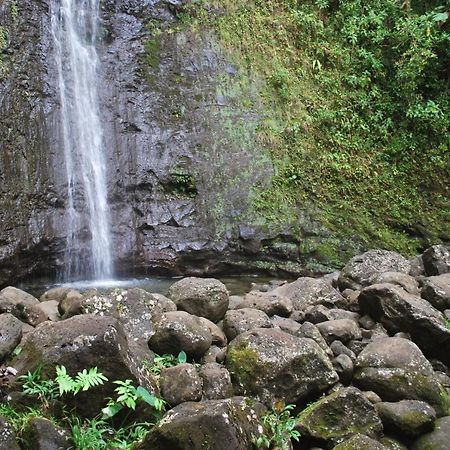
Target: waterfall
74,25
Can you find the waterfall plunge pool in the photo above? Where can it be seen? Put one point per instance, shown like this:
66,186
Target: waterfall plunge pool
236,285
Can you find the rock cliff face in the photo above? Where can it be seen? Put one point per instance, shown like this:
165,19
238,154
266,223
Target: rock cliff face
181,155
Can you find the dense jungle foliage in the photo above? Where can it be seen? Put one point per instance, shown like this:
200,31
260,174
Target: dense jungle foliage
356,112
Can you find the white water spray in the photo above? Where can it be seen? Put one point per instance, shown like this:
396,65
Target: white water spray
75,27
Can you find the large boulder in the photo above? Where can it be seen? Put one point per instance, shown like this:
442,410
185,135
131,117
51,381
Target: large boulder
239,321
10,334
212,424
271,364
179,331
307,291
180,383
270,302
78,343
406,418
21,305
396,369
338,416
436,290
436,260
205,297
405,281
135,309
438,439
358,272
398,311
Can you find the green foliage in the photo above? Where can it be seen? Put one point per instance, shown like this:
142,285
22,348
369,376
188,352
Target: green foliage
356,113
181,184
160,362
447,323
279,428
96,433
47,389
128,396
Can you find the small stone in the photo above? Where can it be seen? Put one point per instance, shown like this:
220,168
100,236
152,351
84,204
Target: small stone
239,321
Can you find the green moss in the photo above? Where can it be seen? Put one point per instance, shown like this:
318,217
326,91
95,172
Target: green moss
152,50
343,148
242,362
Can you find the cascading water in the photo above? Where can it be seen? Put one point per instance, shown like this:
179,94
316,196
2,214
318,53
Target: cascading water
75,28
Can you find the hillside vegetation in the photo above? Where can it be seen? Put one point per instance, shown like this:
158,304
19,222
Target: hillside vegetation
355,113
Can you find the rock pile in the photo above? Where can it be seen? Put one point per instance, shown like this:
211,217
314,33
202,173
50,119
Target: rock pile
364,355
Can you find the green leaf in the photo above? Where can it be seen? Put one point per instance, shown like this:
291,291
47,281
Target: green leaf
111,410
440,17
182,357
144,395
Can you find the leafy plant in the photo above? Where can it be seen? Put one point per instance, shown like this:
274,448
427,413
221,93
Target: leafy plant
279,428
160,362
128,396
50,389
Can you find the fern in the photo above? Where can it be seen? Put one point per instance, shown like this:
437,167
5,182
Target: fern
86,380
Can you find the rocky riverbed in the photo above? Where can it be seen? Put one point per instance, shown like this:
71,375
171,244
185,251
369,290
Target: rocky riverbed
363,355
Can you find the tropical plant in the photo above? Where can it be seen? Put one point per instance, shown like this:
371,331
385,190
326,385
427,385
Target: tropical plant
160,362
279,428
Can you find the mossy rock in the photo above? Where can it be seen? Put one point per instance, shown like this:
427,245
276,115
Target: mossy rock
340,415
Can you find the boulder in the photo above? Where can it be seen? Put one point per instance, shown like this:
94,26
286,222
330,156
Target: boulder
343,365
212,424
342,330
288,325
308,291
406,418
405,281
271,364
135,309
50,309
21,305
70,303
10,334
319,313
398,311
390,443
438,439
340,415
218,336
216,382
270,302
238,321
359,442
180,383
7,436
205,297
338,348
396,369
436,290
78,343
436,260
41,434
57,293
358,271
214,355
179,331
310,331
